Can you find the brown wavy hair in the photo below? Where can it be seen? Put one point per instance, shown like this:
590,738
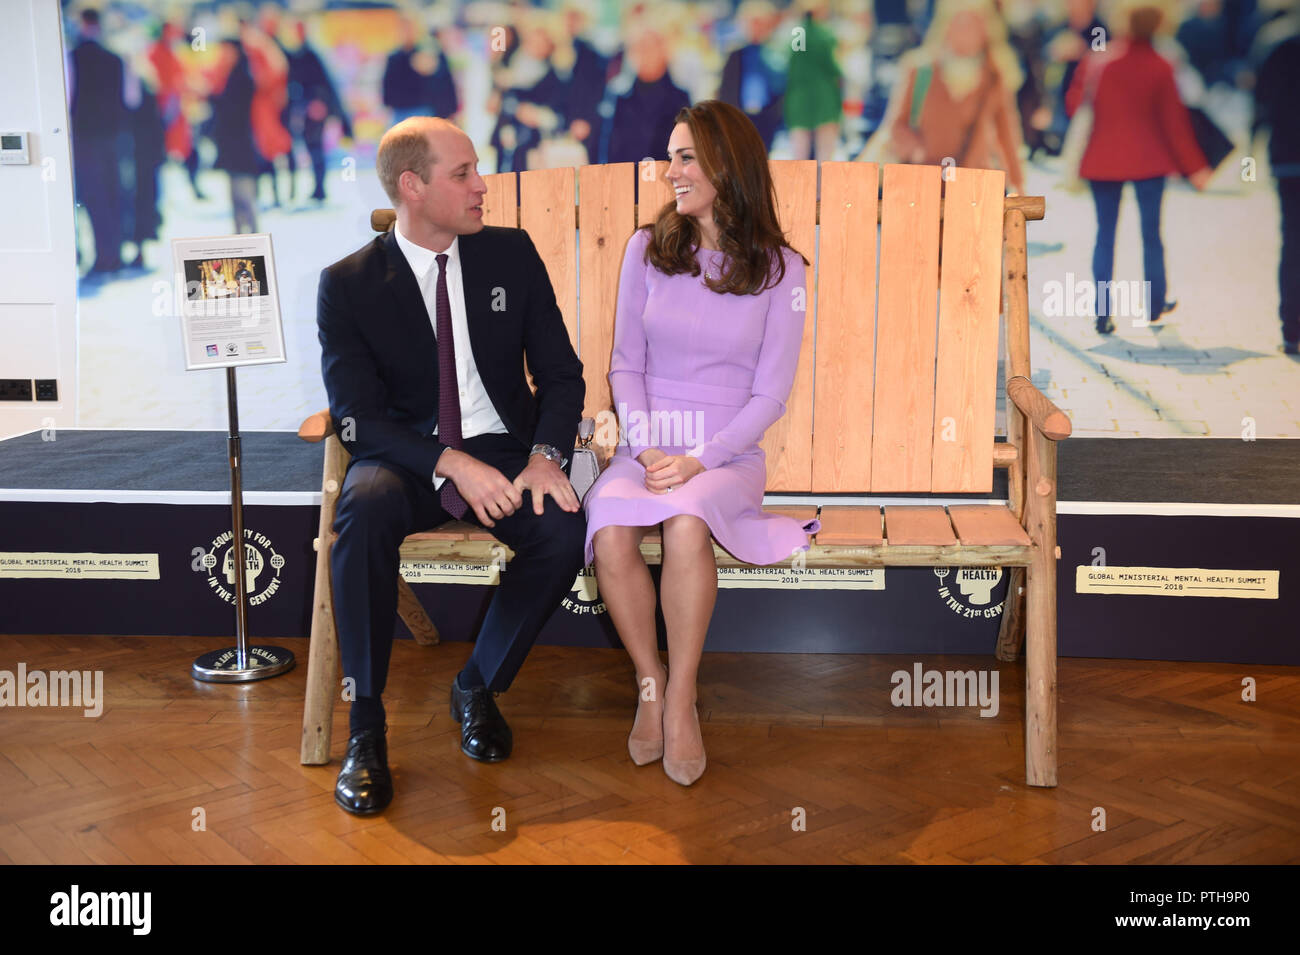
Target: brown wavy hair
731,153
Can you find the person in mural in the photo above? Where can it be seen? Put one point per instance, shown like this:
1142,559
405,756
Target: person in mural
176,92
312,101
813,97
1277,79
1141,133
754,75
1064,47
533,99
417,80
584,71
231,130
646,100
270,71
438,429
954,101
99,118
148,137
707,333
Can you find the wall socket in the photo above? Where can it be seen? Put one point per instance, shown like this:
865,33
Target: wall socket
47,389
15,389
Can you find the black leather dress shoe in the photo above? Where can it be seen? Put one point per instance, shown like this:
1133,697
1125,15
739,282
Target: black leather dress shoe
484,733
365,785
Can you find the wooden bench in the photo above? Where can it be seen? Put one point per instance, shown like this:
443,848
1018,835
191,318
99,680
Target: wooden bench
895,391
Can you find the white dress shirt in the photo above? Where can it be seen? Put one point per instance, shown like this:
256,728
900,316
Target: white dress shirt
477,413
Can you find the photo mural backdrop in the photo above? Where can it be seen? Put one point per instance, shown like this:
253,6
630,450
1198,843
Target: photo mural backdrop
213,117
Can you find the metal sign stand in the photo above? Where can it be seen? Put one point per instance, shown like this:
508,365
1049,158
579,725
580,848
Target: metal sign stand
240,663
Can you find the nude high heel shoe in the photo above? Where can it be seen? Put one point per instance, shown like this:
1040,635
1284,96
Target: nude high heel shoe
646,751
686,771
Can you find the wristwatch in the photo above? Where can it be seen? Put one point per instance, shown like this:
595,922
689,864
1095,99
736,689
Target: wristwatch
551,453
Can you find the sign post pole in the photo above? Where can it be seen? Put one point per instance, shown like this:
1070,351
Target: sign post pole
241,663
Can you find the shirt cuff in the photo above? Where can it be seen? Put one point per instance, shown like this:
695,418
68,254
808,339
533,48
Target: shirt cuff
437,481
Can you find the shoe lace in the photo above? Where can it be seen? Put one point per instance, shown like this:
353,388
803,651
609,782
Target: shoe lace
481,703
366,746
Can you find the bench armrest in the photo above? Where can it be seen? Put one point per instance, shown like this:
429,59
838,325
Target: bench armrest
1038,408
316,428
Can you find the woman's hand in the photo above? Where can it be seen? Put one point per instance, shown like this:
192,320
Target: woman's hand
649,456
671,471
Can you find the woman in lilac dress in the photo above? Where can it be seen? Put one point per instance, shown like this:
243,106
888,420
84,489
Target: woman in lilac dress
709,321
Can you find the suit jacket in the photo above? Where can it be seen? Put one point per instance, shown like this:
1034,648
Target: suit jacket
379,356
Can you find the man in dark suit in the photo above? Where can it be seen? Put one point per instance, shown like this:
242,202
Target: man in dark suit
99,119
424,333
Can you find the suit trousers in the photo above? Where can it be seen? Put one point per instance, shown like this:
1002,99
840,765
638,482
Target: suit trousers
381,504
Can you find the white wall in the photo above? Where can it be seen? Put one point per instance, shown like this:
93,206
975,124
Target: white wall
38,279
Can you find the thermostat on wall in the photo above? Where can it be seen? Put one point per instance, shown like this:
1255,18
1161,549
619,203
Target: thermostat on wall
13,148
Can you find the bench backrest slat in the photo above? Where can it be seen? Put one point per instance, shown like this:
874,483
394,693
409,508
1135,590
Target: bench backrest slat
905,329
546,214
970,285
846,328
606,217
898,368
501,204
788,443
653,191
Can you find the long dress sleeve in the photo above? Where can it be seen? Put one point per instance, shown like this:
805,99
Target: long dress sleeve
778,360
627,363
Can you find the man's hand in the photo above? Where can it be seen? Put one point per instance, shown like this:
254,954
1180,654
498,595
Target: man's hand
1201,178
543,476
670,471
483,487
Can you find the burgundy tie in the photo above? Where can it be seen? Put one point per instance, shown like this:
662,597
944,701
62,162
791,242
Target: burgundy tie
448,391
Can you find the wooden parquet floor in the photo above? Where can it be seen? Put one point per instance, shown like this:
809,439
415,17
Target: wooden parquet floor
1185,771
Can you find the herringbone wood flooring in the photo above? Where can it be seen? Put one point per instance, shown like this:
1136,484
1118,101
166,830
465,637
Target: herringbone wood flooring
1185,770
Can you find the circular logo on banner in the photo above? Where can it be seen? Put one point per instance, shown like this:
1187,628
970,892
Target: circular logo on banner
584,597
971,592
261,567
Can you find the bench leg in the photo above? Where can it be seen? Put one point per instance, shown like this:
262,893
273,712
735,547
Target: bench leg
323,653
322,668
1040,641
1011,636
413,615
1040,676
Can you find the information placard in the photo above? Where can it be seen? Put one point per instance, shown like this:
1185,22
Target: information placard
83,566
228,300
1176,582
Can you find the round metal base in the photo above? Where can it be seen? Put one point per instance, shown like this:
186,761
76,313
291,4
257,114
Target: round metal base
219,666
